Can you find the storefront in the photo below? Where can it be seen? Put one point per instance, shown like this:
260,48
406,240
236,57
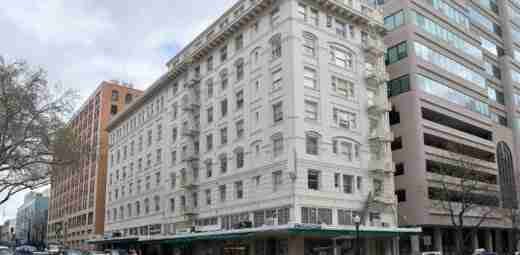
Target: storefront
291,239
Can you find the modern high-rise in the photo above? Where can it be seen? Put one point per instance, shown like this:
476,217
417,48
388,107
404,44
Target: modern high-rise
77,195
454,68
272,123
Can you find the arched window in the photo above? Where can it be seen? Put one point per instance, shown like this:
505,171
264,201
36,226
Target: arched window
128,98
310,44
276,46
255,56
209,88
506,175
223,162
256,147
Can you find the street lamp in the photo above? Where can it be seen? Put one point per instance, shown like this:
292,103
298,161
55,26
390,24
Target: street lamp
357,221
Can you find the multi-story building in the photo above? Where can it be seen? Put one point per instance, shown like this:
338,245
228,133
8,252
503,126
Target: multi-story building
77,195
8,231
31,219
454,69
275,115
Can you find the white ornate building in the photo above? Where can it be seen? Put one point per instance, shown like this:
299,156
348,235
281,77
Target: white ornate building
276,114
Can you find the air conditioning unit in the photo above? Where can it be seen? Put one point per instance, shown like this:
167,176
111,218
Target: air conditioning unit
271,221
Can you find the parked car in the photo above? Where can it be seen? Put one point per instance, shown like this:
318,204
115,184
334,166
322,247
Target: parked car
431,253
5,251
95,253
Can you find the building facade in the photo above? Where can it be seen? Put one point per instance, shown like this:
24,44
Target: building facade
31,219
8,231
276,114
455,89
77,195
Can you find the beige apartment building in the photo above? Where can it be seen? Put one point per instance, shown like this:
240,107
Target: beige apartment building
77,195
454,69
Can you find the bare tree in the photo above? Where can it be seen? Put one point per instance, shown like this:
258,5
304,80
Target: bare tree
464,193
34,135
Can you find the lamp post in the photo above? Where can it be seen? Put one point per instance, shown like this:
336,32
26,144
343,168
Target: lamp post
357,221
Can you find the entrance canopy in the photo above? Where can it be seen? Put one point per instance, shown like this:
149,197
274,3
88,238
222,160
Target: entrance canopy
310,230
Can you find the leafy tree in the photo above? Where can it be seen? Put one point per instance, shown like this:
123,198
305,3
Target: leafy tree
34,136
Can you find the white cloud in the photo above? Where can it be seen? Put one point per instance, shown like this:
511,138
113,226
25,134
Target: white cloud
82,42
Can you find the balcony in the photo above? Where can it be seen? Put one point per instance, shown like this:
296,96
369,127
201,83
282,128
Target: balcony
375,48
189,182
375,77
384,198
194,80
380,135
190,103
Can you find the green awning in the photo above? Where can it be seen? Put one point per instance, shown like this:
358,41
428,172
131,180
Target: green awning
323,232
208,237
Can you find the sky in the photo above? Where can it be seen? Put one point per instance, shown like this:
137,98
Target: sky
83,42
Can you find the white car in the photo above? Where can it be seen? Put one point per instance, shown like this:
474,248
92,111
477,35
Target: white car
431,253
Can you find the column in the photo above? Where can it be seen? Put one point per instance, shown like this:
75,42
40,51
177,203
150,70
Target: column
498,241
296,245
437,239
415,244
488,240
389,246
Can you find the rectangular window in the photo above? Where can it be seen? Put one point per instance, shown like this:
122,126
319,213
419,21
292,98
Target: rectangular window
378,187
223,53
277,180
239,190
208,197
277,112
344,119
341,58
239,99
348,184
309,78
223,136
399,169
209,63
209,168
397,144
277,146
209,142
277,78
222,191
239,42
239,125
401,195
311,110
396,53
341,28
398,86
223,107
343,87
395,20
313,179
223,163
209,113
309,44
311,144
